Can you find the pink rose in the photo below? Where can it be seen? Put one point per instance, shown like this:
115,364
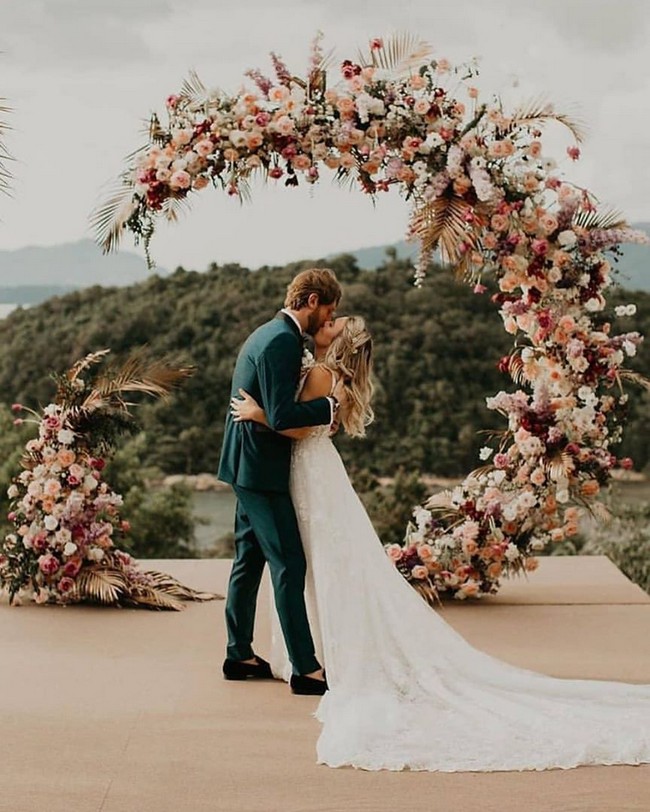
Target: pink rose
65,584
539,246
573,153
419,572
500,461
48,564
180,180
71,568
394,552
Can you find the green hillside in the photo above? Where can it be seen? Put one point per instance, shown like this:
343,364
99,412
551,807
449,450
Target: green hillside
436,353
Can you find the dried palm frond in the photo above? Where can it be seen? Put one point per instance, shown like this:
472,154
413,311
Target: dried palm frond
516,369
443,224
428,591
173,206
600,512
82,365
176,589
442,499
539,111
5,174
601,218
560,465
482,470
195,94
400,54
100,584
108,219
634,377
140,374
153,598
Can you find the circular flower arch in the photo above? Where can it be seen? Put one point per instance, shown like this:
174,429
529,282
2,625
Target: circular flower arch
482,193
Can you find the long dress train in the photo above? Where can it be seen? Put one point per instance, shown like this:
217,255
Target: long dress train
406,690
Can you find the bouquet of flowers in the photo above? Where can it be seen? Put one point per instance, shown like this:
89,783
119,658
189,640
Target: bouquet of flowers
66,518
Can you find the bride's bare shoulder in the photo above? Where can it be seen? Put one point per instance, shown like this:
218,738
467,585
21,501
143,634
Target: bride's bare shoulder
318,383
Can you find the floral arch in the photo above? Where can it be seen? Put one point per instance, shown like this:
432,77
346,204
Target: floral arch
484,194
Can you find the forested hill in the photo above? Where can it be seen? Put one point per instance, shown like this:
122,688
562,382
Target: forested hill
436,353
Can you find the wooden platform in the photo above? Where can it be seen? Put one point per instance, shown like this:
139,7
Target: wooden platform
105,710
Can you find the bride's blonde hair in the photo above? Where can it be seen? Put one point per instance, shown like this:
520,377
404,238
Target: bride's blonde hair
350,355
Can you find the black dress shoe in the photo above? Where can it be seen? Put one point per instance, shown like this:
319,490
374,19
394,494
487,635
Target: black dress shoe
237,670
308,686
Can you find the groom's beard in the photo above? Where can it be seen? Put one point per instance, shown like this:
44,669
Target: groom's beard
313,323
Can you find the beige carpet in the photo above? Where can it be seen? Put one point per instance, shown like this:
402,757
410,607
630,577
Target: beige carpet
126,711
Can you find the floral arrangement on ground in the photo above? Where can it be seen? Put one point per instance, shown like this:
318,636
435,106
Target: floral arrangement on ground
483,192
66,518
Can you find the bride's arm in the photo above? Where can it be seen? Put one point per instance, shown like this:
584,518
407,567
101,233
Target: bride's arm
317,385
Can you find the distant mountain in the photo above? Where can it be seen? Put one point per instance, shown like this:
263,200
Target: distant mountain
58,268
633,267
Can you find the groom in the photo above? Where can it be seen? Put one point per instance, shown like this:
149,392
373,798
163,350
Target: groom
255,460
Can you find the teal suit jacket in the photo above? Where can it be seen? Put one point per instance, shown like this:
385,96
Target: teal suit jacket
268,368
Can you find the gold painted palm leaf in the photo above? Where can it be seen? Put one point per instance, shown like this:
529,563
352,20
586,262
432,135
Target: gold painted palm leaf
176,589
560,465
442,224
98,584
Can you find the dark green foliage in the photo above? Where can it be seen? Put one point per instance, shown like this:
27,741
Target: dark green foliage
435,360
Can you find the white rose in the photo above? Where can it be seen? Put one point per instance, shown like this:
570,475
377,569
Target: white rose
95,554
70,548
65,436
12,492
90,483
537,544
512,552
567,239
629,347
51,523
485,453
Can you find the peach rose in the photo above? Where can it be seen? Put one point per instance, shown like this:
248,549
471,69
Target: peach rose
419,572
279,94
200,183
394,552
301,162
421,107
469,547
589,488
494,570
531,564
345,105
417,82
66,457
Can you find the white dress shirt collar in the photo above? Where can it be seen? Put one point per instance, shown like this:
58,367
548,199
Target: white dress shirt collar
287,312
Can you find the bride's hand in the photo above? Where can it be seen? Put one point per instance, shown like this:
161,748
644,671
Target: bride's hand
245,409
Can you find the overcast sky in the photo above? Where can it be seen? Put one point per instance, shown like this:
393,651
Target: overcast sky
82,75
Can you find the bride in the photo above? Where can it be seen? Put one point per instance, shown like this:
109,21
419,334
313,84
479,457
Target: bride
405,690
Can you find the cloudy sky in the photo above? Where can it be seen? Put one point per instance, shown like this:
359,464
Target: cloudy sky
82,75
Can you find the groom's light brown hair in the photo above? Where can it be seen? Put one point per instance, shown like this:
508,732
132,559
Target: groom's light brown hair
321,281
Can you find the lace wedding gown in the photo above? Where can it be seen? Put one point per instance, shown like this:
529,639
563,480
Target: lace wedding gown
407,691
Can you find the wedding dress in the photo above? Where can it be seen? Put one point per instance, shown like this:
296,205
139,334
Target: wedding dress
407,691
